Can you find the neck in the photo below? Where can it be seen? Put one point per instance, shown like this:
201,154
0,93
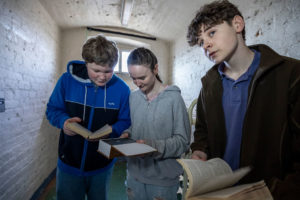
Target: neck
157,88
239,63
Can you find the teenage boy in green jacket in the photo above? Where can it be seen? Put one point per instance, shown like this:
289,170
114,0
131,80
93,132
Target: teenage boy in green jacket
248,110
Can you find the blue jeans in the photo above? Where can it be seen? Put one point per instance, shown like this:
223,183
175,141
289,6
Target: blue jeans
140,191
71,187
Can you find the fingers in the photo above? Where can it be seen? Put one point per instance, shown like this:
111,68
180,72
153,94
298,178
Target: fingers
124,135
199,155
74,119
68,131
195,157
141,141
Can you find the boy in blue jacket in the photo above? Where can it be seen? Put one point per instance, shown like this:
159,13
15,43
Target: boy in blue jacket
90,94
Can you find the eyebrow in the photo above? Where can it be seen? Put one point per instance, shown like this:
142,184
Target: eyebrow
140,77
209,27
206,29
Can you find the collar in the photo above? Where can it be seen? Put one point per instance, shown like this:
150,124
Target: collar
250,71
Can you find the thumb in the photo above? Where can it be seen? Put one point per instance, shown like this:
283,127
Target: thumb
75,119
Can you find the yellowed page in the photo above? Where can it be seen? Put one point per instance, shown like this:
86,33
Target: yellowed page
251,191
77,128
105,130
206,176
234,191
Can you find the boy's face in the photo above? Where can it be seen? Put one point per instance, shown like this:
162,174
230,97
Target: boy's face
219,42
100,75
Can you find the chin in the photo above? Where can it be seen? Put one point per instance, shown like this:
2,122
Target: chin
101,84
143,90
216,61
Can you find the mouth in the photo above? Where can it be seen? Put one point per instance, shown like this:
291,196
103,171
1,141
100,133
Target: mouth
100,82
212,54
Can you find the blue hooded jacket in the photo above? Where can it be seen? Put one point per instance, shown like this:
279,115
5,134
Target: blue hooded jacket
75,95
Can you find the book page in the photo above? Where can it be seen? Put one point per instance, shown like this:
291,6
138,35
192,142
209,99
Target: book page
105,130
77,128
206,176
133,149
235,191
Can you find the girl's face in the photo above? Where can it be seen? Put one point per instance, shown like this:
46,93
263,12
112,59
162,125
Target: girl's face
100,75
143,77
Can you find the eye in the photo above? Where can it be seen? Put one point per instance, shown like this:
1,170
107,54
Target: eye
212,33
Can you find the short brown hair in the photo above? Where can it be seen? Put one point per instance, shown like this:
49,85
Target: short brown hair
210,15
101,51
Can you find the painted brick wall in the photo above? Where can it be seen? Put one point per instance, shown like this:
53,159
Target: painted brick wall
272,22
29,52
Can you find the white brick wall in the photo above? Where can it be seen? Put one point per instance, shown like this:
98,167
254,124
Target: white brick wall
29,49
272,22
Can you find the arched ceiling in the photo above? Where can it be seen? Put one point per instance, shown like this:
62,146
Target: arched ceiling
164,19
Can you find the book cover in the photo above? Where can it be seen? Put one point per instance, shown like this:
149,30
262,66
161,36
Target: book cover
119,147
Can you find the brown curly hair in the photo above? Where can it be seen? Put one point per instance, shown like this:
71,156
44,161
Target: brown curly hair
101,51
210,15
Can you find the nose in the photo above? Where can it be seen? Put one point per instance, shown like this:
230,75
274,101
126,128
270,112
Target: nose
101,76
206,44
137,83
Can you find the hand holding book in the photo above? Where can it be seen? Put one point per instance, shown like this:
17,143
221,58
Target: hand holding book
123,146
199,155
87,134
67,130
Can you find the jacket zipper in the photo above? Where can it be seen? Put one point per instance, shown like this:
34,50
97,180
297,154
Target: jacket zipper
85,147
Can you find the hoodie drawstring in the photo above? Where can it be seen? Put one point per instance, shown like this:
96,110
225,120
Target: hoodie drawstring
105,98
83,117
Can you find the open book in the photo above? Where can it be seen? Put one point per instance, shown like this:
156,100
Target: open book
214,179
84,132
118,147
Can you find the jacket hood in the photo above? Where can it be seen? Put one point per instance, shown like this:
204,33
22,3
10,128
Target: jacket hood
77,69
166,91
172,88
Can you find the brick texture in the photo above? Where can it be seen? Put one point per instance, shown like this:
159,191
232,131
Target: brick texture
28,71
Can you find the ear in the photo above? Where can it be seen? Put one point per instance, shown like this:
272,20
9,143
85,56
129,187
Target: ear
238,23
155,70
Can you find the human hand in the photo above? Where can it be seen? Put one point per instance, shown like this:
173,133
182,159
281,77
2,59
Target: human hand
199,155
124,135
68,131
141,141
